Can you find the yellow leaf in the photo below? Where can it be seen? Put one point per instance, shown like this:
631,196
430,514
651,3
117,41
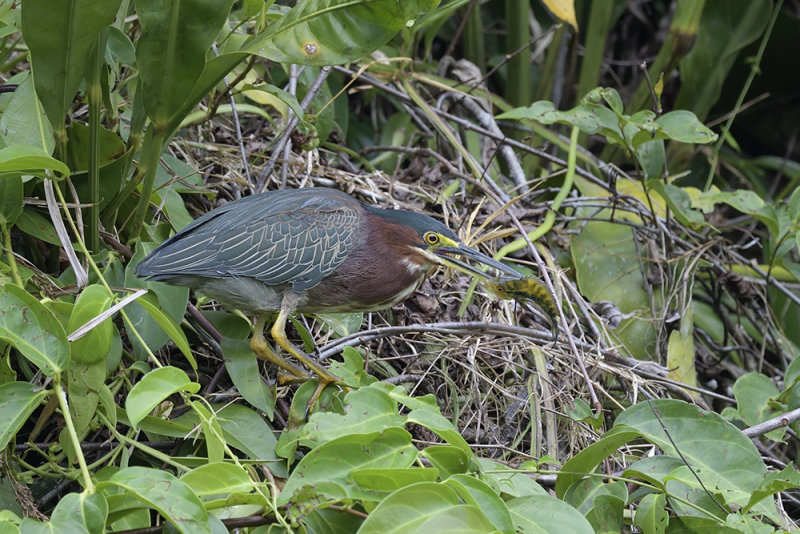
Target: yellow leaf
563,10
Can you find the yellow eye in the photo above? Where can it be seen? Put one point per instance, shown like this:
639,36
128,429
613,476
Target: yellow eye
432,238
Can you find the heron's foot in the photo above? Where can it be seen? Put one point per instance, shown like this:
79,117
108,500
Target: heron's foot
261,349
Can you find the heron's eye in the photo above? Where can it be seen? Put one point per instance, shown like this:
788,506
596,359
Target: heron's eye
432,238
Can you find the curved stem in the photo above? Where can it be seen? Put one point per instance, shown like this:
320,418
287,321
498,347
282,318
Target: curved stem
73,436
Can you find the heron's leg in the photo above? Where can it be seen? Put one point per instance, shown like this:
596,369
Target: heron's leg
259,345
279,335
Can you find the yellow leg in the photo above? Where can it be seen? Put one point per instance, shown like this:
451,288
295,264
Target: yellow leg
279,335
259,345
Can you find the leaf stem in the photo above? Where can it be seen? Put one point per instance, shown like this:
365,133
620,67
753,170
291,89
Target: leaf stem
73,436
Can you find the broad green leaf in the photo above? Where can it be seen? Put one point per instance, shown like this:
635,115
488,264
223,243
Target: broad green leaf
242,428
367,410
11,202
22,159
540,514
473,491
684,126
217,479
423,508
110,147
680,351
607,266
171,300
84,382
679,202
755,394
93,346
653,469
585,462
432,419
651,514
330,32
509,481
705,440
90,510
242,367
168,326
331,463
153,388
18,400
161,491
60,36
23,124
726,28
387,480
33,330
171,52
447,459
34,224
787,478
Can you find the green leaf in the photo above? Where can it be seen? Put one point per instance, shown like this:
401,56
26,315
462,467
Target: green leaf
589,458
153,388
60,36
755,394
84,382
477,493
92,347
509,481
218,479
684,126
330,32
679,202
432,419
18,400
34,224
705,440
387,480
172,301
171,52
726,28
21,159
536,514
787,478
607,267
11,202
651,514
654,469
367,410
23,123
161,491
242,428
242,367
149,303
89,510
332,463
33,330
448,460
425,507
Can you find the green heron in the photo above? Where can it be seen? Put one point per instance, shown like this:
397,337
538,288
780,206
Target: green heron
313,250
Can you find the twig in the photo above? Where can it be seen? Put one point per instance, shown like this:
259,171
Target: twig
772,424
290,126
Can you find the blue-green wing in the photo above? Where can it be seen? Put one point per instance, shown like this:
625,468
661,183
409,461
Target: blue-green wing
296,237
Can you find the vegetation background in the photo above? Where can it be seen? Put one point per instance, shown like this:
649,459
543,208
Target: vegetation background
640,159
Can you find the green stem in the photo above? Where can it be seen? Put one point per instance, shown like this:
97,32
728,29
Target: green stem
158,455
550,217
148,165
755,68
73,436
12,261
94,94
